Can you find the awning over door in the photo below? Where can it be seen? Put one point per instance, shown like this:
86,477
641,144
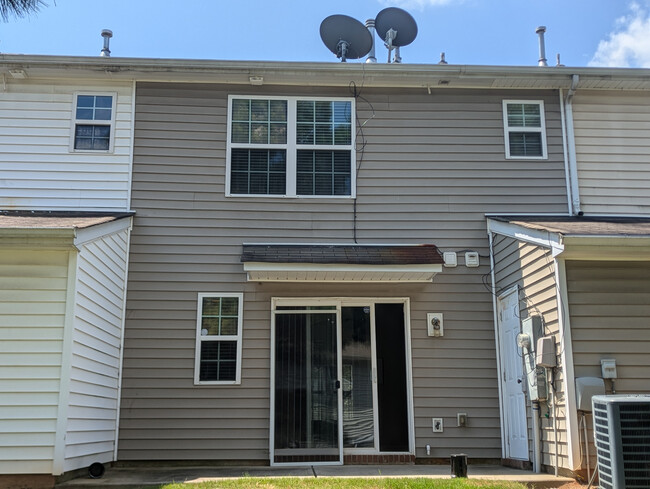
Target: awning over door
341,263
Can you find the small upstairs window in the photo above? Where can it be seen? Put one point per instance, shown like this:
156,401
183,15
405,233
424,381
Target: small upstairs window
525,129
94,119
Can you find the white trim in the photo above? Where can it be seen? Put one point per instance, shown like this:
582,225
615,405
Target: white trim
92,122
131,146
120,372
497,344
329,272
547,239
66,369
541,130
84,236
291,147
566,347
200,339
337,303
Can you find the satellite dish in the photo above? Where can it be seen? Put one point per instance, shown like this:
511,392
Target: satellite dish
346,37
396,28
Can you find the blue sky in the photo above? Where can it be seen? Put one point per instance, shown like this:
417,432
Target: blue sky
477,32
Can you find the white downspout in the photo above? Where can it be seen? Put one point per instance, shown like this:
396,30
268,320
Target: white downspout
537,453
571,143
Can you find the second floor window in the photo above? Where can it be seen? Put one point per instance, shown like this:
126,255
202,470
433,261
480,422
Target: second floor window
93,122
290,147
524,128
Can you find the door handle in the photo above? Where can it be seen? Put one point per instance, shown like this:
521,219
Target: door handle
337,384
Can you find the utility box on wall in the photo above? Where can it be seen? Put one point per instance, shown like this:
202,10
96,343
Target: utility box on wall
536,376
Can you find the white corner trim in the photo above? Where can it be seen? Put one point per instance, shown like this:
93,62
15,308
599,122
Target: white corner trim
66,362
566,347
547,239
497,345
84,236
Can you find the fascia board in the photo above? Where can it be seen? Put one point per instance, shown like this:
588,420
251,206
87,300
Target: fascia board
547,239
86,235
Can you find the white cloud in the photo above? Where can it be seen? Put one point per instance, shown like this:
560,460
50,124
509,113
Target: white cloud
416,4
629,44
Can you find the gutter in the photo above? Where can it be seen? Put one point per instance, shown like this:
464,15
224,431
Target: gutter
571,146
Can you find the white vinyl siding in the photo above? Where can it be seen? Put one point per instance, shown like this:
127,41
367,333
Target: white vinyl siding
524,129
95,363
612,134
39,171
33,293
290,147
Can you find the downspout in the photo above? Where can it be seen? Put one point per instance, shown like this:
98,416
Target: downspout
571,143
537,453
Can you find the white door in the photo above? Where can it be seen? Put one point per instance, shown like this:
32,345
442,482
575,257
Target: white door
512,377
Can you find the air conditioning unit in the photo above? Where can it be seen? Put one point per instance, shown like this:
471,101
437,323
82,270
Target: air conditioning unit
622,439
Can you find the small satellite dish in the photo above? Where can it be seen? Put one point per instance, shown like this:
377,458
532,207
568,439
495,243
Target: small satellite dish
346,37
396,28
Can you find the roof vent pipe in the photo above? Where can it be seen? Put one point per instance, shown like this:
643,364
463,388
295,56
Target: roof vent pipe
106,34
542,48
370,25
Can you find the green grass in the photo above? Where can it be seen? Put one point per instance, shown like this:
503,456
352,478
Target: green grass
346,483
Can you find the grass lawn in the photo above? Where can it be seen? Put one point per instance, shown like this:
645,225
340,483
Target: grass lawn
346,483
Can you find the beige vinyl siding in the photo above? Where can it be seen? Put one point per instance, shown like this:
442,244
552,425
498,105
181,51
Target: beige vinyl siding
37,166
433,165
609,304
95,364
612,133
33,291
532,268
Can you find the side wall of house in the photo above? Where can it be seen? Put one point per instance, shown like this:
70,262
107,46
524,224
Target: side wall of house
39,170
33,292
613,151
532,268
609,303
432,166
96,347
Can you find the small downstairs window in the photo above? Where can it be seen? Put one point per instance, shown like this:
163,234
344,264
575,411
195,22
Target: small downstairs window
525,129
94,121
218,339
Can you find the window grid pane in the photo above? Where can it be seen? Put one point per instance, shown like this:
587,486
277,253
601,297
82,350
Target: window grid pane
94,107
324,122
322,172
258,171
218,361
524,115
259,121
525,144
93,137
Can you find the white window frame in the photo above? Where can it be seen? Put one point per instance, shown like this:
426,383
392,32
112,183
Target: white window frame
92,122
541,130
200,339
291,147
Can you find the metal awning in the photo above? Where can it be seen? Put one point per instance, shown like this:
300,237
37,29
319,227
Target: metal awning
341,263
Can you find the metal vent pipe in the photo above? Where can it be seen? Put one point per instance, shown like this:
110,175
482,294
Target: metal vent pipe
542,47
106,34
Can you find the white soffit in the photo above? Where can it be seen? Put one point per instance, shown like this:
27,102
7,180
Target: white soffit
317,272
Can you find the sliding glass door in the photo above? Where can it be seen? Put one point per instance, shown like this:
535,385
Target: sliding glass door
306,404
340,380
